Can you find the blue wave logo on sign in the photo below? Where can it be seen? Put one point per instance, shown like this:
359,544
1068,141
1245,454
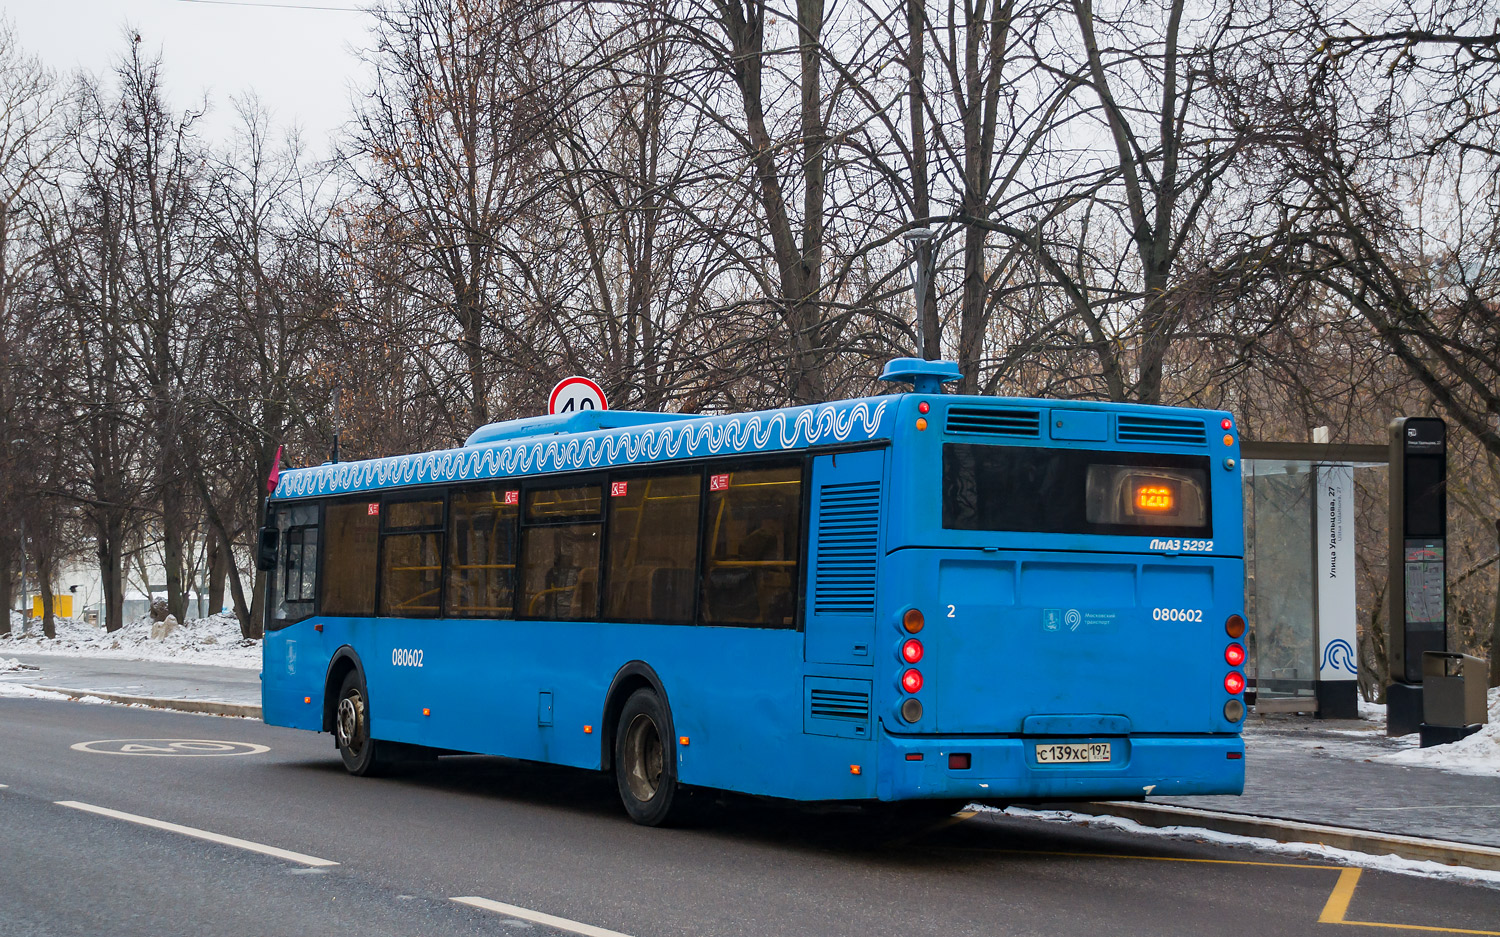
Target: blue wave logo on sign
1339,655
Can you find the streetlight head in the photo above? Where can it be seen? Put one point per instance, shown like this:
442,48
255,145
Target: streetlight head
920,234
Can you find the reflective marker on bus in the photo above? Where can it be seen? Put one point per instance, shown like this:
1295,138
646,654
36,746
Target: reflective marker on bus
768,584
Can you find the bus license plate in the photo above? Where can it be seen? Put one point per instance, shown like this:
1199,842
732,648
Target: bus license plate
1066,754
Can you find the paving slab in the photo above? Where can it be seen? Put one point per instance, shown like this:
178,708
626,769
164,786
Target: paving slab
1318,771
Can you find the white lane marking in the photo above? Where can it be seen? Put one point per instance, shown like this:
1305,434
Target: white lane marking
537,917
199,834
3,786
1423,807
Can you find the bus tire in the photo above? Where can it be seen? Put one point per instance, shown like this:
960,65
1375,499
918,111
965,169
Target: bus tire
645,761
362,755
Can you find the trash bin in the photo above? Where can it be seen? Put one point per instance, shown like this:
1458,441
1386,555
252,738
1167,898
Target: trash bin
1453,696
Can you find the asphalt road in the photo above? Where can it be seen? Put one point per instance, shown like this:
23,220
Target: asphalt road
554,841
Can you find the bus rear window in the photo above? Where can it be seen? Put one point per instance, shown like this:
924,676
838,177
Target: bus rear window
1073,491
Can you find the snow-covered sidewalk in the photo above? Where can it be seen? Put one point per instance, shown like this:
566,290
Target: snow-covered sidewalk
213,640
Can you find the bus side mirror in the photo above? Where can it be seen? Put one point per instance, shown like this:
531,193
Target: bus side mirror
265,554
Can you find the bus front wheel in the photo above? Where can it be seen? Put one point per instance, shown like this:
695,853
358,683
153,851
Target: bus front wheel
351,730
645,761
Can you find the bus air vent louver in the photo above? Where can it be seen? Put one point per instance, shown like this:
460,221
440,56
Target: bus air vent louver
848,526
992,421
843,705
1156,429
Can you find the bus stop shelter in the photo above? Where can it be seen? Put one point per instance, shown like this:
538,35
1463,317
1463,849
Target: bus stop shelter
1300,574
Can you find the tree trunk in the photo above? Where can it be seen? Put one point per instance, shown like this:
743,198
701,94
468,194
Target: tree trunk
44,582
1495,624
112,575
172,538
6,597
218,565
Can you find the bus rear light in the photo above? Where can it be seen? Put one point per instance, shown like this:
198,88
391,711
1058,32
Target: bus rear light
426,712
913,756
1235,627
1234,683
307,699
1228,440
1234,710
1226,424
913,621
911,711
960,761
911,681
1234,655
1234,756
924,407
921,423
854,769
911,651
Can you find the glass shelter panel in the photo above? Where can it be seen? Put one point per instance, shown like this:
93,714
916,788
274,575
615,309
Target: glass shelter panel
1283,642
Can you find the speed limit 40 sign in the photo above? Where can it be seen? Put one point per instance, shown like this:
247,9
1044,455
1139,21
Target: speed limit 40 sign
576,393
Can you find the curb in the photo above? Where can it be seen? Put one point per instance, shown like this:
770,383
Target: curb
1418,848
209,707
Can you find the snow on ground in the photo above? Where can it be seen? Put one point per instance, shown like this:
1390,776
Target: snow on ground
16,689
1479,754
212,640
1389,863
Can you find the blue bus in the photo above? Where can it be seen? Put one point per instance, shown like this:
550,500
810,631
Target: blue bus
919,596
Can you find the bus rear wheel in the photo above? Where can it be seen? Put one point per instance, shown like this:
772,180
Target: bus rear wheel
646,763
362,755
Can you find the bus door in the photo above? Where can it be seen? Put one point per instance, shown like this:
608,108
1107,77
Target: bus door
845,542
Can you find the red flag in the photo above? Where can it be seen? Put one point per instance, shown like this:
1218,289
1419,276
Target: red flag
275,475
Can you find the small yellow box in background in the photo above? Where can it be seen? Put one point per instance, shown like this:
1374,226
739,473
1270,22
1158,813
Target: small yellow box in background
62,606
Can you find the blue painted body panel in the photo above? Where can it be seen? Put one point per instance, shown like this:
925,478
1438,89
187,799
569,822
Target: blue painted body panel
998,679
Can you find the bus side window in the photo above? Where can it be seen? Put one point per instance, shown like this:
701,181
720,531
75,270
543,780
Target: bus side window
350,541
294,580
411,556
482,553
653,548
752,542
560,554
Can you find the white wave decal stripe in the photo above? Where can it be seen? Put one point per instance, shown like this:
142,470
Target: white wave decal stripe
754,432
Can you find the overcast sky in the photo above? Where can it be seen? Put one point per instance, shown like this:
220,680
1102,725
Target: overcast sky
301,62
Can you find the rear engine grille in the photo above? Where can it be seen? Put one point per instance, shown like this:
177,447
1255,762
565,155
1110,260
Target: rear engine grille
1155,429
848,527
991,421
842,705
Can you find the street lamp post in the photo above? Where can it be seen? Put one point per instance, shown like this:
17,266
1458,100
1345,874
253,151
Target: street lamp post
921,242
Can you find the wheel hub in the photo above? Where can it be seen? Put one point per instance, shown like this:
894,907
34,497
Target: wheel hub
644,757
351,717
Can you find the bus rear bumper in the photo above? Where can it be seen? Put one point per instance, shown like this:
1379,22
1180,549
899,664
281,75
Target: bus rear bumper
1007,768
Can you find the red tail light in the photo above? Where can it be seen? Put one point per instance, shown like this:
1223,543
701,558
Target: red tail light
911,681
911,651
1234,655
1234,683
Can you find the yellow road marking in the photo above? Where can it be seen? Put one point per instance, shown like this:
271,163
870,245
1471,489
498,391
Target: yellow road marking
1343,893
1338,902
